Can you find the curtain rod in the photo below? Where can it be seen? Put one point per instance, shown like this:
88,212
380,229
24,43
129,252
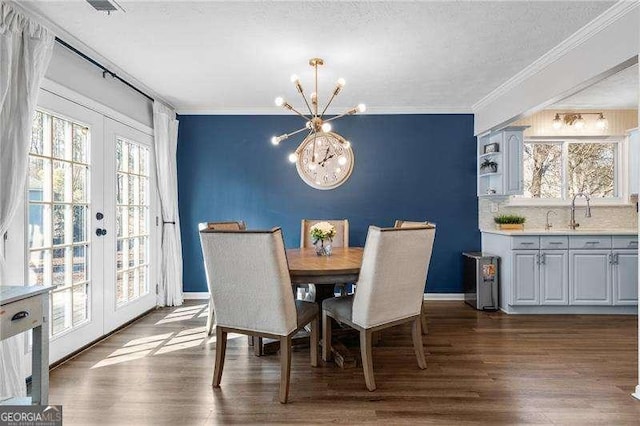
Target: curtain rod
104,69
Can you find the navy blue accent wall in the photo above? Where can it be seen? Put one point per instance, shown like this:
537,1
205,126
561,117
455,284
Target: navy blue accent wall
412,167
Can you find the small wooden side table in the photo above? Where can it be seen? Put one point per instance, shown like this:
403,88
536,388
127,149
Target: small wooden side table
25,308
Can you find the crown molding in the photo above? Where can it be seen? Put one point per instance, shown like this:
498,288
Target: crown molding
370,111
29,11
615,12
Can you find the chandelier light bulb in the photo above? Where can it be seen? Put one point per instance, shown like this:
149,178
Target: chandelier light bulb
326,127
341,82
557,122
362,107
275,140
314,97
293,157
579,123
342,160
602,123
279,101
294,78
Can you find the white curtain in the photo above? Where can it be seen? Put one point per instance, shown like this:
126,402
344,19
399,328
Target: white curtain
165,130
25,52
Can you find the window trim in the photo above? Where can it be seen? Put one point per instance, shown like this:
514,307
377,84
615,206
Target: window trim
620,179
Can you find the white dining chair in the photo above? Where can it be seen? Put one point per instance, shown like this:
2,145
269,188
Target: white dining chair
228,226
411,224
394,269
250,285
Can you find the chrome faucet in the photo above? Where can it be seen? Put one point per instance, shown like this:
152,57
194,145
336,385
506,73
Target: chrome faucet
573,224
548,225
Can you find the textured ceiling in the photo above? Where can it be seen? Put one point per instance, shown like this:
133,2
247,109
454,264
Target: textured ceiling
396,56
620,91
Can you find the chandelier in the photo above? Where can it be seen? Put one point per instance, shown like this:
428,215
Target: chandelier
576,121
315,123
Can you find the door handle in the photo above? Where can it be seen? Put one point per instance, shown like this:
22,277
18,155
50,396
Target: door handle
616,258
99,216
542,260
101,232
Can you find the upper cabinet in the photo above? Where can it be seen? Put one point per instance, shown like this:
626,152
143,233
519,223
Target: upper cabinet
500,162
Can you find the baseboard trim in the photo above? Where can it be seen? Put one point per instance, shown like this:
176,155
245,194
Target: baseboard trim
195,295
636,395
204,295
444,296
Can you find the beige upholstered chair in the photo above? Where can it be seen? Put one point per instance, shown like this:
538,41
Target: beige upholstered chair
219,226
410,224
394,269
340,240
249,280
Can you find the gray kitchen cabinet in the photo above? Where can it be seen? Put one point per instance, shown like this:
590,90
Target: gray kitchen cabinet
554,277
625,277
590,277
527,277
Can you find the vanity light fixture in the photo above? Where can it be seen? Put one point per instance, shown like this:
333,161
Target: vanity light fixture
575,120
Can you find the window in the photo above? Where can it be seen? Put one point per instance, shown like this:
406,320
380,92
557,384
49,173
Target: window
132,255
58,227
557,170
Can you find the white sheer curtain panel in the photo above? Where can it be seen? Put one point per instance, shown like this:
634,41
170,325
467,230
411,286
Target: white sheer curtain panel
25,52
165,130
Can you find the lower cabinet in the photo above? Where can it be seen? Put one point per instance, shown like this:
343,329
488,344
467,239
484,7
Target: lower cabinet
625,277
590,272
554,277
541,277
566,270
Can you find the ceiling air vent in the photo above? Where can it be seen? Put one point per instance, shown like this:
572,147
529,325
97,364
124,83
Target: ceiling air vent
105,5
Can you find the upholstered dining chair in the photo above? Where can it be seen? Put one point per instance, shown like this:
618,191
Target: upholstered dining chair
410,224
340,240
249,280
228,226
394,269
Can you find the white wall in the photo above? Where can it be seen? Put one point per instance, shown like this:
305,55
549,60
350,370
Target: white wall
582,60
72,71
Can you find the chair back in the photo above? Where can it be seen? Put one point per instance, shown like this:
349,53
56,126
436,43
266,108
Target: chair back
223,226
248,277
411,224
342,232
393,274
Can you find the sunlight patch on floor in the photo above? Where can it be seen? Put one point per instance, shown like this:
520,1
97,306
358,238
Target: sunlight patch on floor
167,342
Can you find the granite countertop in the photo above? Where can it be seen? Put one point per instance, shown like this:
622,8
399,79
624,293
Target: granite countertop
563,232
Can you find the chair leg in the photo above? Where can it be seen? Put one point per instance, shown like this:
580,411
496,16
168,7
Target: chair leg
221,348
257,346
423,319
326,337
210,319
285,367
416,335
315,324
367,359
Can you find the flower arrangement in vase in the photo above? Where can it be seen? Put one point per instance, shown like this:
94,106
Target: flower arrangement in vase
322,234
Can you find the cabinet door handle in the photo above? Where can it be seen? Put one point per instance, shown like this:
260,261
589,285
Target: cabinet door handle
555,243
610,259
542,259
20,315
616,260
526,243
592,242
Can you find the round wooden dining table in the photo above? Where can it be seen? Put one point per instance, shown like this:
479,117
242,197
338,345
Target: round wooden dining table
343,266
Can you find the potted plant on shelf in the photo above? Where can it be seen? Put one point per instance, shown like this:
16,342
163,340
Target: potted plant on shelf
510,222
488,166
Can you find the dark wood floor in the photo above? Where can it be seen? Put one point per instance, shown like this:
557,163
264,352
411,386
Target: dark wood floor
482,368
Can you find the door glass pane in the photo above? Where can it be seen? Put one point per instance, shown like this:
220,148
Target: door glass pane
132,220
542,170
58,229
592,169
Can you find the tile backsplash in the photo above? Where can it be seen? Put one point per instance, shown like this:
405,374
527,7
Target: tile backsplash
602,217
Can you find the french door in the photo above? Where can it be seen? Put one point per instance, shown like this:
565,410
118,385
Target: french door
90,200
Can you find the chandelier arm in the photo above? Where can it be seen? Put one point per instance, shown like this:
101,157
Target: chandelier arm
316,75
291,108
307,103
328,103
297,131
